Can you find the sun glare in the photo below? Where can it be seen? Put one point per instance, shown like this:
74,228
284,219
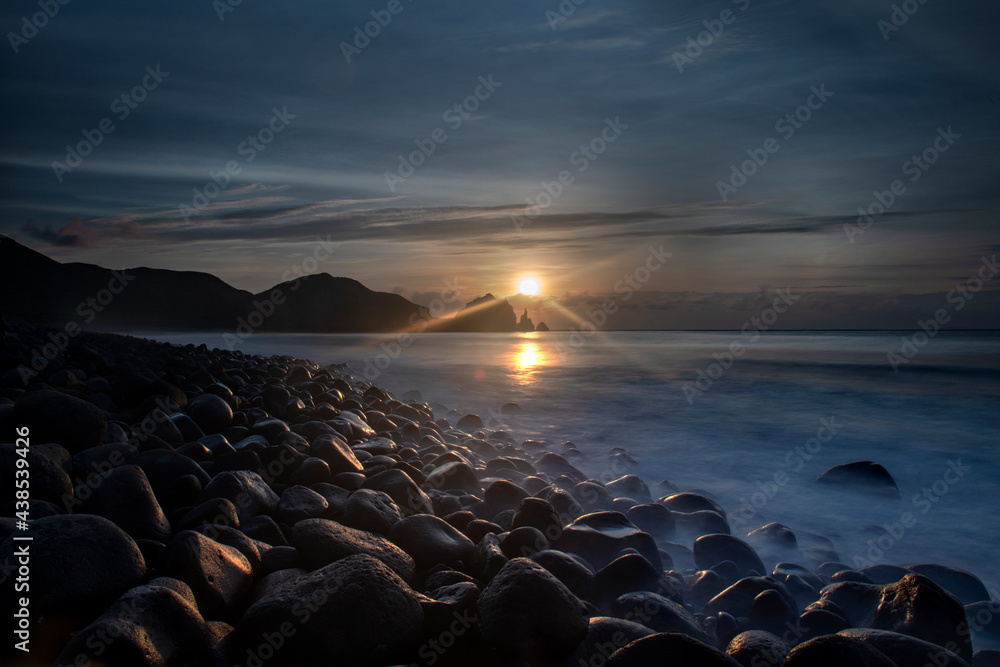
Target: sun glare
528,286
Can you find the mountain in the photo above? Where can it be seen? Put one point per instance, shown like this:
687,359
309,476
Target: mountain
42,290
36,288
486,314
323,304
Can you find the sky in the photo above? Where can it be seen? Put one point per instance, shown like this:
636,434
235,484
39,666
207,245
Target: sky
673,162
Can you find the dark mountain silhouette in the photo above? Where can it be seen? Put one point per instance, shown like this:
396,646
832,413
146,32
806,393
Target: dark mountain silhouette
324,304
485,314
37,288
525,323
40,290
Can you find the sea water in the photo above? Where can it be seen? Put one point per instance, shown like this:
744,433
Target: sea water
751,426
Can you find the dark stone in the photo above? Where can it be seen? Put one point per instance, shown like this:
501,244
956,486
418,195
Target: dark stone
321,542
430,541
555,465
488,558
627,574
211,413
774,536
755,648
905,650
651,651
967,587
605,635
219,576
298,503
79,425
593,497
523,542
771,612
48,481
539,514
149,625
629,486
280,558
737,600
599,537
918,607
264,529
403,491
855,600
659,613
692,502
455,475
236,539
712,549
124,496
702,522
575,573
359,611
504,495
212,511
864,475
80,563
526,611
837,651
371,510
336,453
312,471
163,469
246,490
653,518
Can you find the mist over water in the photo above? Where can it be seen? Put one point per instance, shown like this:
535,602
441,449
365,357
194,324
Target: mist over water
933,425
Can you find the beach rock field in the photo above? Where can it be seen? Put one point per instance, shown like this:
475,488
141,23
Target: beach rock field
210,508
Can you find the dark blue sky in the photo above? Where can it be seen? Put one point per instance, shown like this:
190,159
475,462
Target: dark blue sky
552,88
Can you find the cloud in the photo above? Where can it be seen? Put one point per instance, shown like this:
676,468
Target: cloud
76,233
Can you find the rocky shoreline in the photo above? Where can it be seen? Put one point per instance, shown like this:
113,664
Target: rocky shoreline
205,507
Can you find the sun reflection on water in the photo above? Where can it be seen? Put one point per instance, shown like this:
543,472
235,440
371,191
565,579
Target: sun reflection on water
527,359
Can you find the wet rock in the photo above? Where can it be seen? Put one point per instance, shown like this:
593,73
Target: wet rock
487,559
504,495
336,454
755,648
431,540
593,497
321,542
918,607
771,612
526,611
212,511
836,651
211,413
575,573
905,650
236,539
629,573
219,576
246,490
691,502
702,522
80,563
712,549
773,536
403,491
374,511
967,587
298,503
658,613
629,486
599,537
48,481
124,496
863,475
539,514
320,615
605,635
80,424
855,600
164,469
653,518
556,466
737,600
455,475
682,649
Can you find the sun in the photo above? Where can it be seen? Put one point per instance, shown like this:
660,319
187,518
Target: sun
528,286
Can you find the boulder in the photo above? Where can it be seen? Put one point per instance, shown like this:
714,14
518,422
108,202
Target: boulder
124,496
837,651
652,651
374,511
246,490
322,541
430,541
80,424
905,650
712,549
756,648
219,576
862,475
526,611
356,609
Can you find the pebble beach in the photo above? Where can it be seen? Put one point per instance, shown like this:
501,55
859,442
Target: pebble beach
176,505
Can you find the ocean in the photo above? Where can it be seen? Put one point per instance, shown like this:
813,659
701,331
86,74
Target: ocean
750,426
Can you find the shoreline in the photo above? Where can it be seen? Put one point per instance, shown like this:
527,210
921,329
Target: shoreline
246,492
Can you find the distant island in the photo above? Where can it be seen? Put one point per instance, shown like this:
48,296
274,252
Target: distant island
40,290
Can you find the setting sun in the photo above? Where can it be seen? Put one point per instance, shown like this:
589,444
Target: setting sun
528,286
